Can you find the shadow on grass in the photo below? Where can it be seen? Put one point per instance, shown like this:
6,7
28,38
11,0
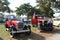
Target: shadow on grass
33,36
55,31
1,38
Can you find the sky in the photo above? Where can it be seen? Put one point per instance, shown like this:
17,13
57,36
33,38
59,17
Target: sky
17,3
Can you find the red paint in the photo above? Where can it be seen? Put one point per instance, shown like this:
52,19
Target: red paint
13,22
35,19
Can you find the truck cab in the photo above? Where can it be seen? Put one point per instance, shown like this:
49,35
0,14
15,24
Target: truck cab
36,19
56,22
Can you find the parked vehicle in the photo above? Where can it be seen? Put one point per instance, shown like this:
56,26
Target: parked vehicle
1,17
43,23
56,22
17,26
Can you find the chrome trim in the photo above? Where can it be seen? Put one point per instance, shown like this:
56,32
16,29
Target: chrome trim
20,31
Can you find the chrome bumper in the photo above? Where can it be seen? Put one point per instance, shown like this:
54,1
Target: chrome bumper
21,31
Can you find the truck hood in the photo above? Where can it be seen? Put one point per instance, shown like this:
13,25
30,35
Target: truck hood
15,21
39,19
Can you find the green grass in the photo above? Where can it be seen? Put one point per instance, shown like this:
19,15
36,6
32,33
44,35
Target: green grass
33,28
3,33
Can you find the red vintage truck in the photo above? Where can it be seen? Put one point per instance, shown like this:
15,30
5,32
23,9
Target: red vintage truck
17,26
36,20
42,23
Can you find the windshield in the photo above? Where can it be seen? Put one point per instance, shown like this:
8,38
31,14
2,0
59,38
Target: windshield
26,22
40,16
11,17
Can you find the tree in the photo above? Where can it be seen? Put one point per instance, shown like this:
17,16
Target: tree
45,7
4,6
57,4
26,9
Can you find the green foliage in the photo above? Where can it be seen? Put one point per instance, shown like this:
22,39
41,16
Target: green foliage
27,9
4,6
57,5
45,9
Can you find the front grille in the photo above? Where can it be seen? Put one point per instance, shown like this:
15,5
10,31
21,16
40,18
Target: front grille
20,26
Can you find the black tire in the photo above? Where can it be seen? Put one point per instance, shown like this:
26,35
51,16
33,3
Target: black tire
11,34
51,29
12,29
28,33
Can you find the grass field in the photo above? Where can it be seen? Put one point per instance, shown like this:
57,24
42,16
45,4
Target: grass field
4,35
